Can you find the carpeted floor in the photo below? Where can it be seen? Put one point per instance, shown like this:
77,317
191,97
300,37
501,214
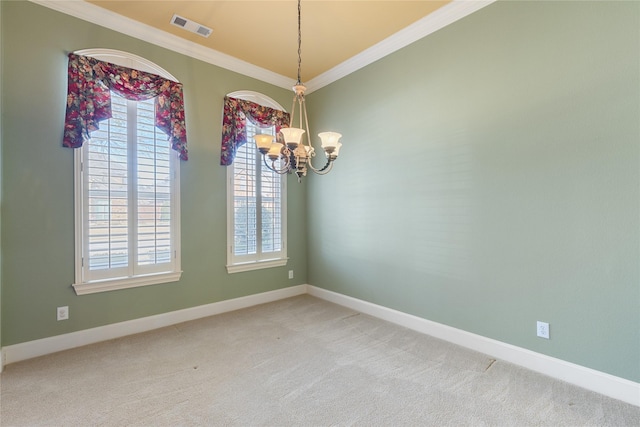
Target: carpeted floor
296,362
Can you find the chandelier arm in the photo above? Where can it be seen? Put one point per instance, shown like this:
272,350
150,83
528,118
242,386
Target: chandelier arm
328,165
306,122
316,170
293,112
312,154
272,166
325,169
303,110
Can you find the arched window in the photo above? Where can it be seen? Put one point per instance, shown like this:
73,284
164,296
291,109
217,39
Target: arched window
256,199
127,192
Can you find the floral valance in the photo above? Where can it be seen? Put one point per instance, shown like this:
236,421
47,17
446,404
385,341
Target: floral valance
89,99
234,132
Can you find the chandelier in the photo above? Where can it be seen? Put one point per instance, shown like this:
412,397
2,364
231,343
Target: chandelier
287,152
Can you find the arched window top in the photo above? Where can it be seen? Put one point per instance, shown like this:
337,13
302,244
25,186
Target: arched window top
126,59
256,97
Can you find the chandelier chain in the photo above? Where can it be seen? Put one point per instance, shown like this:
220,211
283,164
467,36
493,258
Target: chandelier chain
299,43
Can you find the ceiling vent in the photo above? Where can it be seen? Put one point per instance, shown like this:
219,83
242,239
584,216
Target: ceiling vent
190,25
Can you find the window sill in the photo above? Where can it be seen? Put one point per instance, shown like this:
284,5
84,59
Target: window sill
256,265
125,283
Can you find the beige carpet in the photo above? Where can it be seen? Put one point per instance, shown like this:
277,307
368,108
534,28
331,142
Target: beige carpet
296,362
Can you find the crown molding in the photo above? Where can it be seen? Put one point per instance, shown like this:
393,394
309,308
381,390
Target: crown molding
431,23
105,18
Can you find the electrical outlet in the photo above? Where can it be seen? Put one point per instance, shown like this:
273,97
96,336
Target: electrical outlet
63,312
290,274
543,329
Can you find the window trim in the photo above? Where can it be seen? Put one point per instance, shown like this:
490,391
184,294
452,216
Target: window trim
126,59
256,265
80,286
238,267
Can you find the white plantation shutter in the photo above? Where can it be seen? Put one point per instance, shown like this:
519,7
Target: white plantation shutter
256,203
128,208
106,174
153,190
270,200
245,201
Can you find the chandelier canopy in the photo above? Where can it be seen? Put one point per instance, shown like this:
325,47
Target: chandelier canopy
287,152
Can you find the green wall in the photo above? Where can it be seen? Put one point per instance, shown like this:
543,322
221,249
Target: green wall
490,178
1,130
37,185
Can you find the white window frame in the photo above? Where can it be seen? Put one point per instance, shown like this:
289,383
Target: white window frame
84,282
237,264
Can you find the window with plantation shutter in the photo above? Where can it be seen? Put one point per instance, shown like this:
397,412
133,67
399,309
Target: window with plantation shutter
127,202
256,207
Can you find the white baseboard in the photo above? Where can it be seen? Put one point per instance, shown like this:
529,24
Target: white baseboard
590,379
28,350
